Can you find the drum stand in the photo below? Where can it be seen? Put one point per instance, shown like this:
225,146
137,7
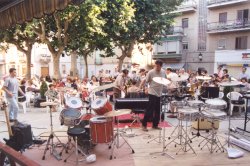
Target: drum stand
50,141
182,135
116,143
163,152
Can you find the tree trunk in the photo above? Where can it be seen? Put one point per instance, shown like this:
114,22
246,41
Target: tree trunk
56,62
120,63
73,68
86,65
28,64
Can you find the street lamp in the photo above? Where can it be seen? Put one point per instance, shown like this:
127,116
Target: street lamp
200,56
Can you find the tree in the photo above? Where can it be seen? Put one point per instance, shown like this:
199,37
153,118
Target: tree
86,31
152,20
23,37
53,31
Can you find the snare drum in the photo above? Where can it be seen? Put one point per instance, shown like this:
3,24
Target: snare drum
101,129
70,117
74,102
216,104
214,114
195,103
174,105
187,111
101,106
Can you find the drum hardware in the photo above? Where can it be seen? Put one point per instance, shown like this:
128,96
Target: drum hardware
184,139
163,136
50,141
116,142
212,138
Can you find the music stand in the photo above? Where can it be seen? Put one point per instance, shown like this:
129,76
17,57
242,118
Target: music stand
210,92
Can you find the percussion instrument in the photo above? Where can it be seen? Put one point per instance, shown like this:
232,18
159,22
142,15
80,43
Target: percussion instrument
174,105
216,103
118,112
101,106
103,87
203,78
131,103
187,111
70,117
44,104
74,102
101,129
161,80
195,103
214,114
230,83
180,78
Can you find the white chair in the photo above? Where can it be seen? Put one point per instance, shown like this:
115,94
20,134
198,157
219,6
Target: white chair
23,104
235,96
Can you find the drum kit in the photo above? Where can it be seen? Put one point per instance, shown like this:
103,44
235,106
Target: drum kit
100,126
210,109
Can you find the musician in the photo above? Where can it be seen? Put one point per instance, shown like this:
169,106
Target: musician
11,88
133,88
120,84
154,91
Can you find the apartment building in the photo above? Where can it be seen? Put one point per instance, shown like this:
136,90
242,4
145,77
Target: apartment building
210,33
228,34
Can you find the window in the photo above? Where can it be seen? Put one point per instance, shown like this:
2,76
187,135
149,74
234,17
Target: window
242,15
221,44
223,17
185,23
241,42
185,46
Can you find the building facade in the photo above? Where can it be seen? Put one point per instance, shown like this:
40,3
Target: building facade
209,31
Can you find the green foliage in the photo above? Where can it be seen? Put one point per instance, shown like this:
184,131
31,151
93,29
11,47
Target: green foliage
43,89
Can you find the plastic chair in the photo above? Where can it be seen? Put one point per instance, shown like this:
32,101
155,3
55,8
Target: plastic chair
235,101
23,104
221,95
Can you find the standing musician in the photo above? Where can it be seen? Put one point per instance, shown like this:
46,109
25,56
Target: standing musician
120,84
154,92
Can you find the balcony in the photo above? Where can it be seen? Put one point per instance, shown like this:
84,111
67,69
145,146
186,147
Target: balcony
212,4
186,7
229,26
177,30
166,55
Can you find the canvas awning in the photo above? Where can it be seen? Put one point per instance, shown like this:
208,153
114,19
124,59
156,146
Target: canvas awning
19,11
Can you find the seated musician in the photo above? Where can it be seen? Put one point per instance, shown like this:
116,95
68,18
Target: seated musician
245,84
133,89
52,95
120,84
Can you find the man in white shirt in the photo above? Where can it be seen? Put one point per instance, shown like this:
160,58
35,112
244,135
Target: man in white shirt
244,74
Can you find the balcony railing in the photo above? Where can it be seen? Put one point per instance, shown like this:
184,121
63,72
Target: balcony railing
187,6
165,55
229,26
217,3
176,30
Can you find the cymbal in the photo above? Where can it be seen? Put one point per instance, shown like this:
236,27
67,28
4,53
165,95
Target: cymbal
180,78
47,103
161,80
118,112
230,83
103,87
203,78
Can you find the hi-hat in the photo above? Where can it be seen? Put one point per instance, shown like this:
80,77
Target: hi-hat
44,104
203,78
180,78
230,83
103,87
118,112
161,80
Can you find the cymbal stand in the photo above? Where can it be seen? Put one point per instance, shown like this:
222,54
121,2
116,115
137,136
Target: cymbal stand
116,141
50,141
163,152
164,102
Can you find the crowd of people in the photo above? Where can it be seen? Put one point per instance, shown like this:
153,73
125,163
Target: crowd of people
125,83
